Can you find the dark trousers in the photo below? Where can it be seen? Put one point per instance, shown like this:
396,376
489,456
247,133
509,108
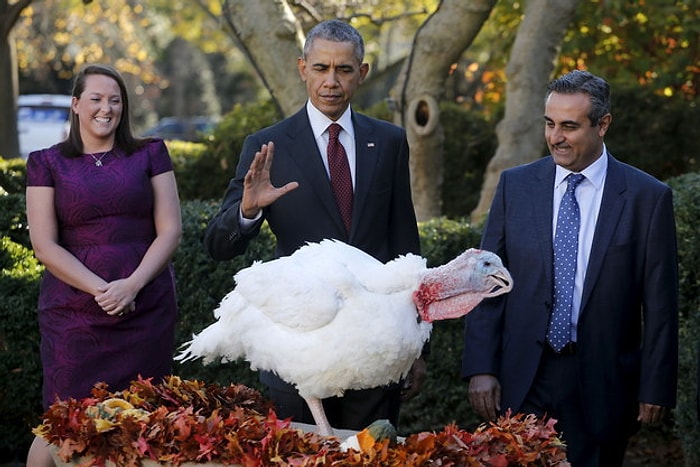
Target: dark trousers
556,393
354,411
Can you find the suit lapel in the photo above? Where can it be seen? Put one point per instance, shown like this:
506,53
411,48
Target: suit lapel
543,193
610,210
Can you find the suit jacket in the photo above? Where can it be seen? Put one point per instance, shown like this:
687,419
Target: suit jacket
384,222
627,336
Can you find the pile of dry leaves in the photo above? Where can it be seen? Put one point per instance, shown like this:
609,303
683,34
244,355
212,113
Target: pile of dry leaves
189,421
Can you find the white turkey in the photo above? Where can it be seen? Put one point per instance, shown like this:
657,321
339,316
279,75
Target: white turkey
330,317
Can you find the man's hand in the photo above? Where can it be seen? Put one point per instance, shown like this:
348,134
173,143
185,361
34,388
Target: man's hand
651,414
258,191
485,395
414,380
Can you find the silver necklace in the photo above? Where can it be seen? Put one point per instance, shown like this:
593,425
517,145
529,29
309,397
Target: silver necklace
98,160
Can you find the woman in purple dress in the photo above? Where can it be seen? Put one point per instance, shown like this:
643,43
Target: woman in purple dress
104,219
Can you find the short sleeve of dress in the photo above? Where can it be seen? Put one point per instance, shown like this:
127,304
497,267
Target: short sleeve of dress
159,157
39,171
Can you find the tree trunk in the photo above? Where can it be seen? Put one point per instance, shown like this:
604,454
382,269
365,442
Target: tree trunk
272,39
437,45
520,133
9,81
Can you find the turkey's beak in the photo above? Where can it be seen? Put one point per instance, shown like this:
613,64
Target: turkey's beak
503,283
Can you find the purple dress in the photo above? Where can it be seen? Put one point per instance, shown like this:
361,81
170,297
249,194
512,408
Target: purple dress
105,219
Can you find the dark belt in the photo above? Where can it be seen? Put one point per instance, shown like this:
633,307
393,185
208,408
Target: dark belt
568,349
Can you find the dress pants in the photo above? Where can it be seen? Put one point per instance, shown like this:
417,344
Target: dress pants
354,411
556,393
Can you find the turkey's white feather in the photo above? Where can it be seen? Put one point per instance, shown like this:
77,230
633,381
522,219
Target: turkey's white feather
326,319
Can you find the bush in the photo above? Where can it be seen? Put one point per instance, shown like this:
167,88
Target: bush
13,175
13,219
687,209
442,239
203,170
20,366
655,133
202,283
443,398
658,137
198,172
470,142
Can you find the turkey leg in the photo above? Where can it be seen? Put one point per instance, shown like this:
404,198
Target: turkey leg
316,407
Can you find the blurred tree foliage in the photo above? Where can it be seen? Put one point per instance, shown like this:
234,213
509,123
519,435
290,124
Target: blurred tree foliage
651,43
651,131
643,42
169,69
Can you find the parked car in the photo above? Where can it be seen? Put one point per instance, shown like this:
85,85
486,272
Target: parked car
184,129
42,121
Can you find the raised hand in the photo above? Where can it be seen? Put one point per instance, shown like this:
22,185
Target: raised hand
258,191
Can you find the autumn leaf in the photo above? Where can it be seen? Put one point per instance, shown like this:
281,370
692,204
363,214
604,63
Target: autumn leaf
180,421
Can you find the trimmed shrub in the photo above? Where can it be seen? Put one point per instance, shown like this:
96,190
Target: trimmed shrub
13,176
443,398
13,219
686,190
203,170
198,172
658,134
442,239
20,366
202,283
470,142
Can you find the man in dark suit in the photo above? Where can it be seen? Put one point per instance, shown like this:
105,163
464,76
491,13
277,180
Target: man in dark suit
285,176
617,365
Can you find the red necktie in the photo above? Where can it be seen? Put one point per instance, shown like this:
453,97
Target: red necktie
341,181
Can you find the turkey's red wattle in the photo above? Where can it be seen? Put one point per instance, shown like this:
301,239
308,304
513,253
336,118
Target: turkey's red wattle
424,297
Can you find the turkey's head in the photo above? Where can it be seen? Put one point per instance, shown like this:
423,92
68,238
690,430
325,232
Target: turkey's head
453,290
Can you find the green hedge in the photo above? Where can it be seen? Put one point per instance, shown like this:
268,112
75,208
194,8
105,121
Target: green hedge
655,133
203,171
201,284
13,175
20,368
658,134
687,210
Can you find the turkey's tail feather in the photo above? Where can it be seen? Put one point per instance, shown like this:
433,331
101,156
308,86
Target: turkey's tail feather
218,340
207,345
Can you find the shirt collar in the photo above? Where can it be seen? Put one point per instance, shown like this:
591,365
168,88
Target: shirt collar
320,122
594,173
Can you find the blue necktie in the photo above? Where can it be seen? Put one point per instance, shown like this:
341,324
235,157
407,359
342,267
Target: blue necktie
565,254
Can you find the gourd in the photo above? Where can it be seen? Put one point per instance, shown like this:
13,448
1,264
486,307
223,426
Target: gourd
377,431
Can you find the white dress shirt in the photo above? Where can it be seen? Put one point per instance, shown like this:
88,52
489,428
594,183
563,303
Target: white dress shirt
588,195
319,125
